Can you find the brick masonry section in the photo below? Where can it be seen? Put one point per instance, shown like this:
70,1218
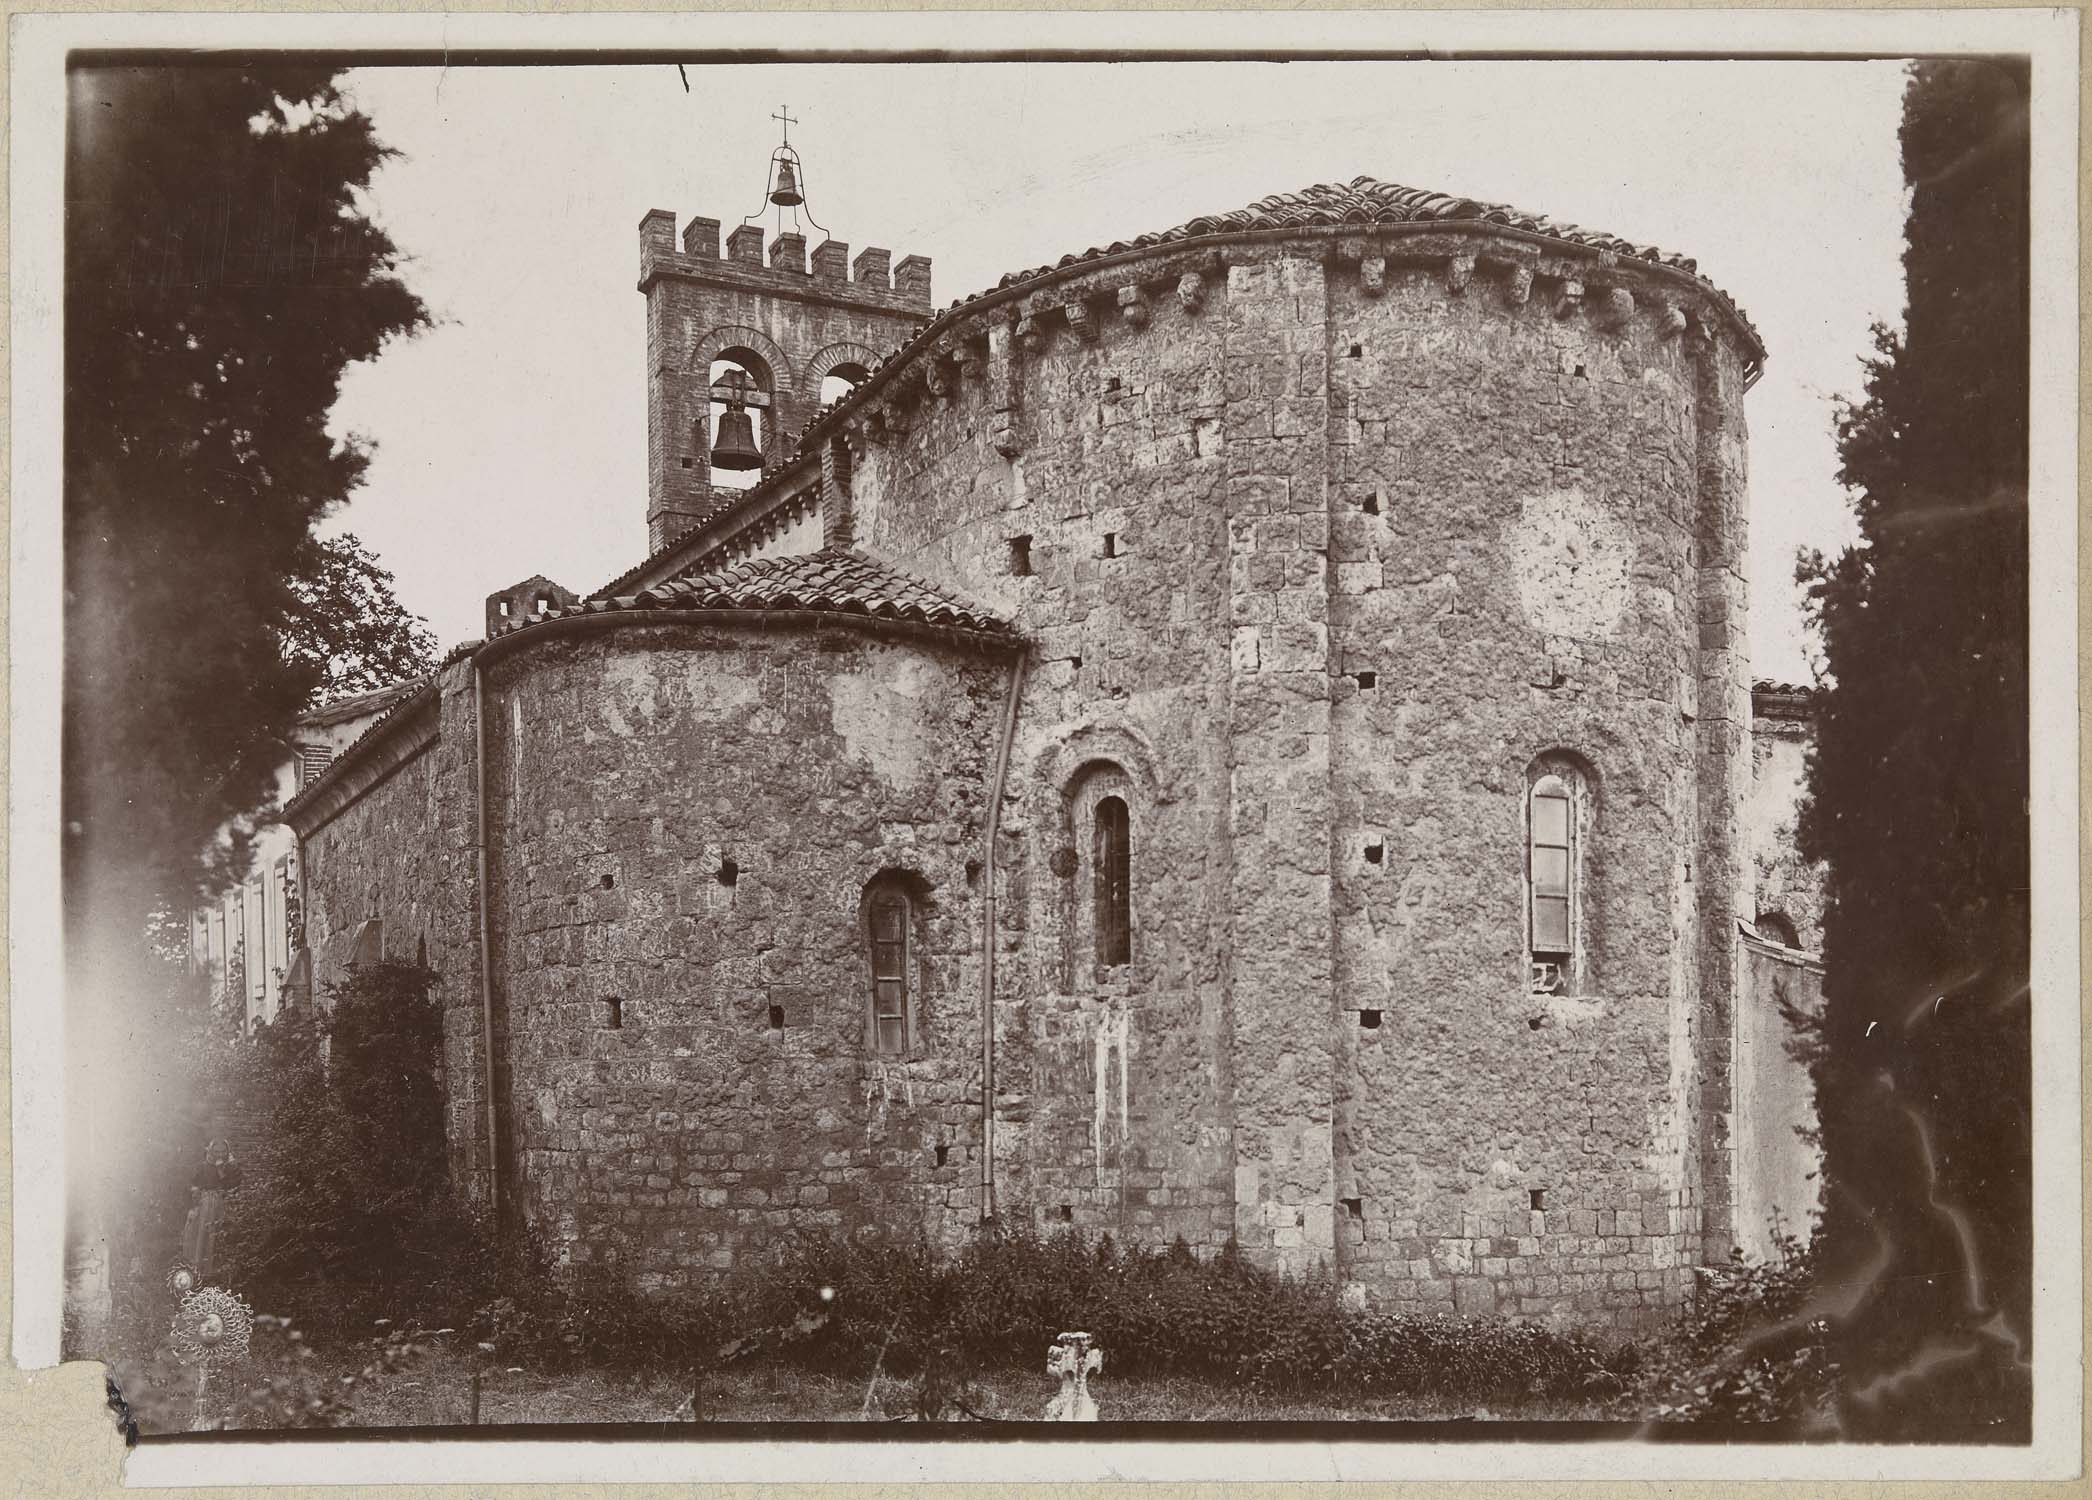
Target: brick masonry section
795,323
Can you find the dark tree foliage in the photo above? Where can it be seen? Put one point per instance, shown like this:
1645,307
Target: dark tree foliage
345,1207
221,273
350,626
1917,798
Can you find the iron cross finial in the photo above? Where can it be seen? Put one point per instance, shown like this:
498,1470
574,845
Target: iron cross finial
784,113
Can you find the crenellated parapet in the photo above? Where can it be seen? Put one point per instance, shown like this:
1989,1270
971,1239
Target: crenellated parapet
781,265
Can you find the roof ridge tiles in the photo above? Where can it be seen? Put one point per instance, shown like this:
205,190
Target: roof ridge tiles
828,580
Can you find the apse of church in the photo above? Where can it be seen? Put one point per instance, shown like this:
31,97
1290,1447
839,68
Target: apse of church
1242,734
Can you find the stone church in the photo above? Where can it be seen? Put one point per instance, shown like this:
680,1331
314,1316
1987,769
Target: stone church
1242,733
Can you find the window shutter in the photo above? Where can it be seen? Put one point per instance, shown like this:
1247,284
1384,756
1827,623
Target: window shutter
312,761
1112,848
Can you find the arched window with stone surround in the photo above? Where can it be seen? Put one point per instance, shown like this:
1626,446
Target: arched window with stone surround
1557,895
1103,821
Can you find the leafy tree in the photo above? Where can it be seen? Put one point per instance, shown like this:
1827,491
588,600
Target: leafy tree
350,626
1917,798
221,272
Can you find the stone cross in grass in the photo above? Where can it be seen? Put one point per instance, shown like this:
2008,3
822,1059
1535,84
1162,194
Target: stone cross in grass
1072,1359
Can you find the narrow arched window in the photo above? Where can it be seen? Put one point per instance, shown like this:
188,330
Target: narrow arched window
1113,864
889,916
1779,928
1551,879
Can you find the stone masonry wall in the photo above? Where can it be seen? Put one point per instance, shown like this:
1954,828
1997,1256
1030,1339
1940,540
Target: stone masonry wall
1106,541
687,819
1331,548
404,852
1510,533
1317,549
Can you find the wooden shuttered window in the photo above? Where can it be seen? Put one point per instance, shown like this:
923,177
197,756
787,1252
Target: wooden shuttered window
313,761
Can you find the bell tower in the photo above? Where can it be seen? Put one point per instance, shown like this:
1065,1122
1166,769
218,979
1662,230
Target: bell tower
740,348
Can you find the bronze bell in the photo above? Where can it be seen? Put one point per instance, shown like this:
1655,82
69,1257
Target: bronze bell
735,448
786,194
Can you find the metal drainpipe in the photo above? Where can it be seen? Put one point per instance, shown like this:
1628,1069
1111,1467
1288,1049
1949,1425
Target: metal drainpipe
993,823
486,971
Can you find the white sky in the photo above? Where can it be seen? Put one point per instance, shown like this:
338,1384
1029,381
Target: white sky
512,437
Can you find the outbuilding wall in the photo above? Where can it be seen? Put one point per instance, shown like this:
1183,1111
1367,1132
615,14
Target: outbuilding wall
403,852
1779,1189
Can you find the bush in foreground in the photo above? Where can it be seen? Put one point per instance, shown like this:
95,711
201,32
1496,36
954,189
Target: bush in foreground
902,1307
1753,1347
346,1202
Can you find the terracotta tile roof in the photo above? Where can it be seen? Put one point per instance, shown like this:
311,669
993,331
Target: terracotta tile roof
831,580
402,700
1363,200
1789,701
731,502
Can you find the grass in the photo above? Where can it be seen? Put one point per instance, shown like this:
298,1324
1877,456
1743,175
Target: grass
435,1391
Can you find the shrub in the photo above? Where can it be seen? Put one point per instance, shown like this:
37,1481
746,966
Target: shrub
1749,1349
898,1305
283,1384
345,1203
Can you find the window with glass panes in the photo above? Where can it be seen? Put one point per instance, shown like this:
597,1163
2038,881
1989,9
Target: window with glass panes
1550,879
889,921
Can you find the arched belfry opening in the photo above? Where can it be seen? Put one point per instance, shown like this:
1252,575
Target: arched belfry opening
739,419
839,382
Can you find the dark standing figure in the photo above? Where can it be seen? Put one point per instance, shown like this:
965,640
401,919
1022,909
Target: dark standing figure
218,1174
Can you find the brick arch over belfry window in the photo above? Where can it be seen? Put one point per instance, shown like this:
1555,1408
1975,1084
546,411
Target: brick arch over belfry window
774,375
851,361
722,341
